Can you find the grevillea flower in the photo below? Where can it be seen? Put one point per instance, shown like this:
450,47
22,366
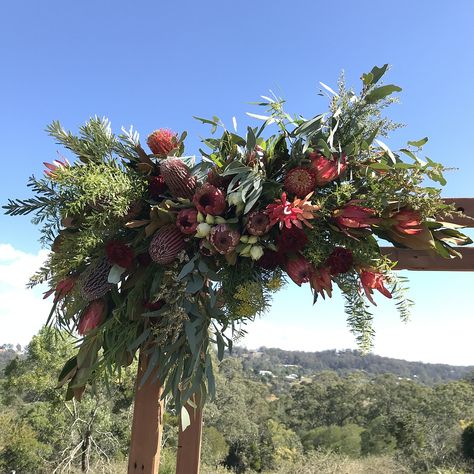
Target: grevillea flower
288,213
326,170
166,245
186,221
162,141
91,317
156,186
298,269
51,168
291,240
209,200
300,181
62,289
119,254
270,260
373,280
258,223
340,261
352,216
224,239
320,281
408,222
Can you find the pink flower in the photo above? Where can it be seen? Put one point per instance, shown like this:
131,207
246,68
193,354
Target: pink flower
51,168
186,221
209,200
326,170
288,213
119,253
408,222
373,280
298,269
91,317
258,223
320,281
224,238
352,216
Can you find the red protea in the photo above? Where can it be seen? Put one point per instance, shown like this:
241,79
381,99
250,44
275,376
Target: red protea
209,200
91,317
288,213
300,181
340,261
326,170
408,222
186,221
178,178
119,254
298,269
373,280
166,245
258,223
156,186
320,281
224,238
352,216
162,141
291,240
62,289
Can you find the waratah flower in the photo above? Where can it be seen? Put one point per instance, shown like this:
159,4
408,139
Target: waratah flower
209,200
91,317
51,168
162,141
352,216
300,181
224,238
288,213
326,170
94,281
270,259
373,280
119,254
258,223
156,186
62,289
178,178
298,269
407,222
320,281
340,261
166,245
291,240
186,221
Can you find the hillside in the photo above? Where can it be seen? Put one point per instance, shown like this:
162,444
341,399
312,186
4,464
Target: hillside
281,362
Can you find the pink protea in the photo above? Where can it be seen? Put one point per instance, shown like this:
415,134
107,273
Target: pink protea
326,170
408,222
178,178
209,200
166,245
91,317
224,238
373,280
320,281
186,221
352,216
300,181
162,141
52,168
298,269
288,213
258,223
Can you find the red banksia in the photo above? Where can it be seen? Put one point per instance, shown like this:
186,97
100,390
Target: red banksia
166,245
178,178
162,141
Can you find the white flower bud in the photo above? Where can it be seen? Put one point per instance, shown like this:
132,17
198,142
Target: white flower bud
256,252
253,239
203,230
210,219
200,217
244,239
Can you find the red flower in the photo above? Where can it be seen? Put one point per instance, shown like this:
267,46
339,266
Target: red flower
91,317
209,200
373,280
119,254
54,166
300,181
186,221
162,141
352,216
340,261
224,239
258,223
291,213
156,186
408,222
270,260
299,269
62,289
291,240
320,281
155,306
326,170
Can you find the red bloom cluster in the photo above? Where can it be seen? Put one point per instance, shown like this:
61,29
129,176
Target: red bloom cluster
340,261
209,200
162,141
91,317
119,254
408,222
300,181
326,170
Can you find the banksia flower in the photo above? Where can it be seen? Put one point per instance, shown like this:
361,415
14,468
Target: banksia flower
298,269
340,261
186,221
94,281
91,317
326,170
162,141
209,200
258,223
224,239
300,181
166,244
178,178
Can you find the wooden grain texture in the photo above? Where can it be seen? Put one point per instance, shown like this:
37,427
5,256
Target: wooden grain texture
147,425
464,205
189,444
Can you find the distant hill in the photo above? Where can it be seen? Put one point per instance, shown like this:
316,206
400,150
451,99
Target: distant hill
285,363
7,353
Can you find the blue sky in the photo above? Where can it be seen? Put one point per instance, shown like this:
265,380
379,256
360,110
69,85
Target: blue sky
155,64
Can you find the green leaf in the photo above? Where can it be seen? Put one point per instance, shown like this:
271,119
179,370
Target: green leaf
381,92
68,371
115,274
377,73
187,269
418,143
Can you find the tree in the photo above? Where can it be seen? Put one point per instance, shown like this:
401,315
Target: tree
339,439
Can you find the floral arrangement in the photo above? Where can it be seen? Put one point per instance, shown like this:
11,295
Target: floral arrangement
158,251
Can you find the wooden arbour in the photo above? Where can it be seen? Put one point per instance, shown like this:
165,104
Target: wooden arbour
145,447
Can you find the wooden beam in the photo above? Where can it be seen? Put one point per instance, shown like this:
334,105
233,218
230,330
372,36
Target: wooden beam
147,426
189,444
429,261
464,205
